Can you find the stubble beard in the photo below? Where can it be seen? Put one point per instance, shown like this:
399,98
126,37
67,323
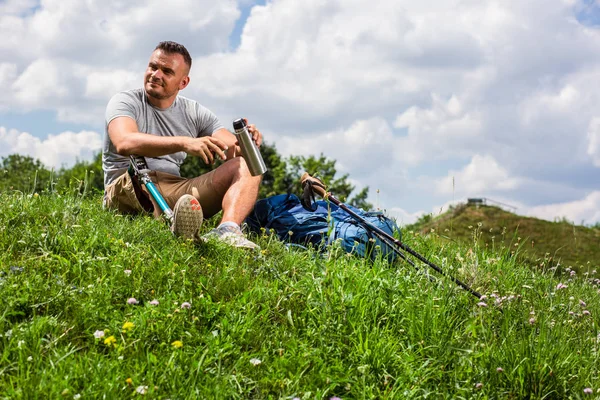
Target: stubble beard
155,93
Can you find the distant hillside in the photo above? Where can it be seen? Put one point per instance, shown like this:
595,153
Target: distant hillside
570,245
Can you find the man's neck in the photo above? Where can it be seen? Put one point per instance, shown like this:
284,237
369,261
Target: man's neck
162,104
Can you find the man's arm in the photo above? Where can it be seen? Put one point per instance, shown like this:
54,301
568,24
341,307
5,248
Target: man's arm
125,136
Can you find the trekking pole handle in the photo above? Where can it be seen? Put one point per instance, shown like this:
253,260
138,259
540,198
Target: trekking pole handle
316,185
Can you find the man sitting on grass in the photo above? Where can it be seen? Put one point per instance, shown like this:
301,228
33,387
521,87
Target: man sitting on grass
155,122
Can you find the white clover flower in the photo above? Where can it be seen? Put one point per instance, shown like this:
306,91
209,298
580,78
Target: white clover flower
185,304
142,389
255,361
154,302
99,334
127,272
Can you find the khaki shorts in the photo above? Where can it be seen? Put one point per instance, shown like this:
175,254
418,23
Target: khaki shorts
128,196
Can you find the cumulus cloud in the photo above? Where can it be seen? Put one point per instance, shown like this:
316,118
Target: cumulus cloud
399,92
482,175
63,149
593,148
586,210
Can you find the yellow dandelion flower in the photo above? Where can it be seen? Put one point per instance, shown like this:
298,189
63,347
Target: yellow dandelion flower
177,344
129,381
109,341
127,326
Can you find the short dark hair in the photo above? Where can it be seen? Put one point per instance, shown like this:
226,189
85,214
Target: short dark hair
173,47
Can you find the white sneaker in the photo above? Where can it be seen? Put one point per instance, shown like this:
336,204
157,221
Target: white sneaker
230,235
187,217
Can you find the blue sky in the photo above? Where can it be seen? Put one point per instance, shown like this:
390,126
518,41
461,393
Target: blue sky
408,96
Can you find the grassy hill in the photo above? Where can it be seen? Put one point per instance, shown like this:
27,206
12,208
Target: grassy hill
98,305
538,241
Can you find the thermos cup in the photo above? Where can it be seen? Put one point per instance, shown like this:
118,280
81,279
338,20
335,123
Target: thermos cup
250,151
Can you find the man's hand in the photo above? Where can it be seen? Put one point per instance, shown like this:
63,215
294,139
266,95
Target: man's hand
207,147
256,135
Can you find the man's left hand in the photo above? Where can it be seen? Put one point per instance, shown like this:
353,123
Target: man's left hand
256,135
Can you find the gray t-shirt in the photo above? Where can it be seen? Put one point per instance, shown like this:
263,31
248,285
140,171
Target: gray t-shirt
185,117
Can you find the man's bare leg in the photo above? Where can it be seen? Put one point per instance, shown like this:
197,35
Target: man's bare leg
241,189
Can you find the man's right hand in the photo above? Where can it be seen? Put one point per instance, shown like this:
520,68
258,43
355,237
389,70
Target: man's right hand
207,147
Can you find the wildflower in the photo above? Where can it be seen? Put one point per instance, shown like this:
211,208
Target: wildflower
588,391
76,396
572,273
499,369
30,359
531,321
109,341
127,272
586,312
177,344
154,302
185,304
483,297
129,381
561,286
142,389
255,361
479,385
99,334
334,398
132,301
582,303
127,326
482,304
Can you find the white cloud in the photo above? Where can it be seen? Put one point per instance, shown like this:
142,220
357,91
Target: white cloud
482,175
586,210
16,7
63,149
593,148
395,92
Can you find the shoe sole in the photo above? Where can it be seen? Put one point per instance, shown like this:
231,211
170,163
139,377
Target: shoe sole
187,217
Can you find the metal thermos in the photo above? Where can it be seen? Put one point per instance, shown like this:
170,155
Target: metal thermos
250,151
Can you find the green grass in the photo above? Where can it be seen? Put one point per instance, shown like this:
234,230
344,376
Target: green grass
275,324
539,241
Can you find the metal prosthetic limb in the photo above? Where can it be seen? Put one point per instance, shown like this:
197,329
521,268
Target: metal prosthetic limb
140,168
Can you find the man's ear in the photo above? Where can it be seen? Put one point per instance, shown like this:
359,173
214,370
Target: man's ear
184,82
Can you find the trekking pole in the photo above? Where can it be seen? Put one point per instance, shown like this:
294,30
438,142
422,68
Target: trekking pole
141,170
312,185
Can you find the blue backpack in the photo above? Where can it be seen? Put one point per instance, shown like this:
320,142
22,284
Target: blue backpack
284,215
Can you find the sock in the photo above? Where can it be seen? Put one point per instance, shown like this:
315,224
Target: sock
228,223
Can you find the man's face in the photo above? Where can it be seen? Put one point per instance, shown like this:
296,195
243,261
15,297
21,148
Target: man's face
166,75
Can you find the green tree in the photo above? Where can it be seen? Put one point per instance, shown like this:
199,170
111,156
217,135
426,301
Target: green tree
25,174
324,169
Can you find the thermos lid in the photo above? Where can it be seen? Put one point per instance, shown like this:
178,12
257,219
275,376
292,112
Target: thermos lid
239,123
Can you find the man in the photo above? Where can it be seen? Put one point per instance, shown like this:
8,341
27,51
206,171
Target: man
157,123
